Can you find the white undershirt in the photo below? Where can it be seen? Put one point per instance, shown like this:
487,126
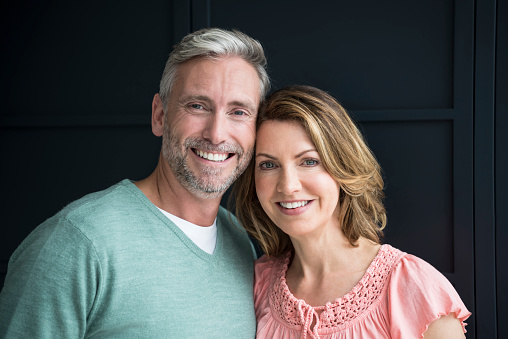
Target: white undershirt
204,237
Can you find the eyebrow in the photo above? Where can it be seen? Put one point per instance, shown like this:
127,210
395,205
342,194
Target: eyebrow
247,104
195,97
296,156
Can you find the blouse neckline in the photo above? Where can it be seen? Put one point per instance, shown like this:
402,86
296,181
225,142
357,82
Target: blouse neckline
343,311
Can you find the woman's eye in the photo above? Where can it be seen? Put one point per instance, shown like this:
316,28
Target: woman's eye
266,165
310,162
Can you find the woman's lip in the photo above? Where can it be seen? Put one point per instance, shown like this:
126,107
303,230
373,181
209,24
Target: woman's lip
293,203
294,211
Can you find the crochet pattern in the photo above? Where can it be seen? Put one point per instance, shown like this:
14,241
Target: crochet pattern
344,311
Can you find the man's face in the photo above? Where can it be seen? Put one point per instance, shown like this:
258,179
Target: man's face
209,130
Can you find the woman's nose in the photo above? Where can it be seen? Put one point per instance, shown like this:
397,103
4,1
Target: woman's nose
289,182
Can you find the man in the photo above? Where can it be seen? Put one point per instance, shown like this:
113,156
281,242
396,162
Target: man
159,257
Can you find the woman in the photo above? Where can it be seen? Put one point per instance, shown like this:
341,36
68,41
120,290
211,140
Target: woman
312,197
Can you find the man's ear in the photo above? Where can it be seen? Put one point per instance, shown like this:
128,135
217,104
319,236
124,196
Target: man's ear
157,116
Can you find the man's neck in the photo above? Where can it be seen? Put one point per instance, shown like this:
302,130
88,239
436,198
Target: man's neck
166,192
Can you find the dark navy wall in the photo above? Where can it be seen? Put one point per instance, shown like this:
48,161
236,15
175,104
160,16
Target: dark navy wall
501,165
427,81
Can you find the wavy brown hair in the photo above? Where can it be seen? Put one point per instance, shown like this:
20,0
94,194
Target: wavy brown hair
345,156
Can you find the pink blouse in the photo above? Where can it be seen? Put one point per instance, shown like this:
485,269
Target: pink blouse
398,297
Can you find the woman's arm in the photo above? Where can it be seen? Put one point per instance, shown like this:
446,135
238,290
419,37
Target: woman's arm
445,327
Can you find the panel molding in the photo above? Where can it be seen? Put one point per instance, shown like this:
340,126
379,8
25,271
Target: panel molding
144,120
463,91
501,159
201,14
75,121
181,19
484,162
403,115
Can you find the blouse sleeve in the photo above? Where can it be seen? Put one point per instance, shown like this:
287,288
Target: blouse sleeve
262,273
419,294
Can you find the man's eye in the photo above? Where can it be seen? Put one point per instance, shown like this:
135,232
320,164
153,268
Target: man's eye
196,106
239,112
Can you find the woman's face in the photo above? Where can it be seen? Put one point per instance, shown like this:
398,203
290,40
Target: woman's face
294,188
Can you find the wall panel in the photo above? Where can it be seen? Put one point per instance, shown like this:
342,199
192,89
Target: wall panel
88,58
417,162
374,55
76,84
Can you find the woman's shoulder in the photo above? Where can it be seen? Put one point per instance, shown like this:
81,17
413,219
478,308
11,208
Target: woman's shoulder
266,269
417,294
414,271
265,266
415,277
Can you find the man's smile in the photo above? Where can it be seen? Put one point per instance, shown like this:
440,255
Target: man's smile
217,157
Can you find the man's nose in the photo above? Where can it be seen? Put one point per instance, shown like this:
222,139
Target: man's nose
216,129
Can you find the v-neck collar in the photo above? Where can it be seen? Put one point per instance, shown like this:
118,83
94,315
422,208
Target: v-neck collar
212,258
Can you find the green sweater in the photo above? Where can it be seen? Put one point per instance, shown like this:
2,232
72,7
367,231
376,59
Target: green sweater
111,265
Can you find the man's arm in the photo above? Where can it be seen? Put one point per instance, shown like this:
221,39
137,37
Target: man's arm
50,285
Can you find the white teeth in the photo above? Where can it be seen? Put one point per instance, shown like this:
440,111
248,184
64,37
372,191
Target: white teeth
211,156
293,204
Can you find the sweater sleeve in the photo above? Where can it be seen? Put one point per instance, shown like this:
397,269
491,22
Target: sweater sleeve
419,294
51,284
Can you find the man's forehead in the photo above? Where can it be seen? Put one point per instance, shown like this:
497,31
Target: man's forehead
233,79
210,68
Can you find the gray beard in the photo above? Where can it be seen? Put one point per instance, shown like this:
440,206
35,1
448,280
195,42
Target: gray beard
209,185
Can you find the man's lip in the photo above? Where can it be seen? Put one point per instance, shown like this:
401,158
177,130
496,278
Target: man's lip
213,156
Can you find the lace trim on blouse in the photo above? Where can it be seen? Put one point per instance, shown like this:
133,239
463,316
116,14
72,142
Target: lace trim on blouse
343,311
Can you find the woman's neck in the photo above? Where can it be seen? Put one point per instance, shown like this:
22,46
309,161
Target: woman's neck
322,271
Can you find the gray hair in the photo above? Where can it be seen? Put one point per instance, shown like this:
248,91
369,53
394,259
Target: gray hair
214,43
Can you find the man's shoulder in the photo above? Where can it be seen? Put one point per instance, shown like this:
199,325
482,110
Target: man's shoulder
99,217
113,195
94,210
